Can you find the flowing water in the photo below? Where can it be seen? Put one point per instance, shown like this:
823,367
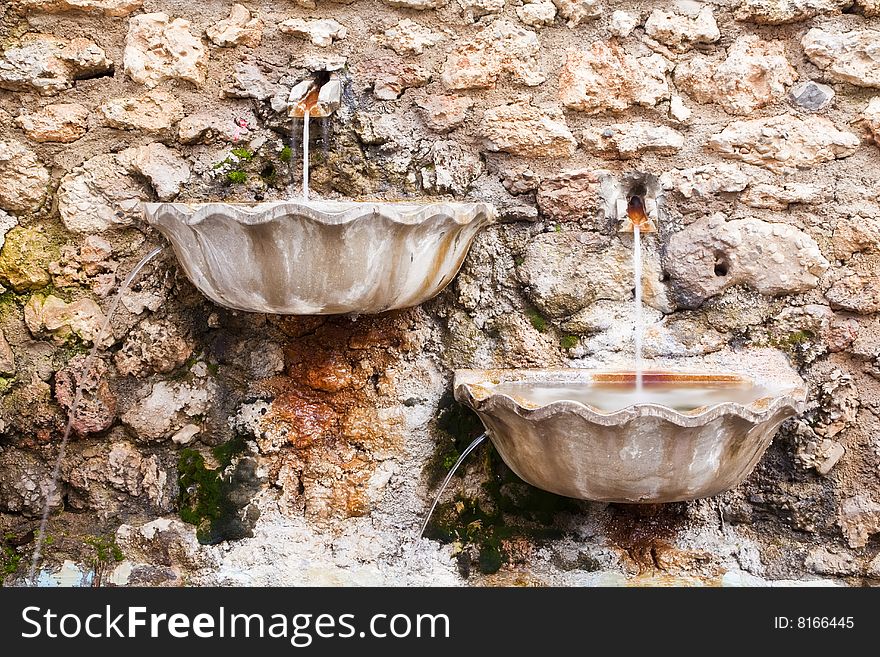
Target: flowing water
639,331
470,448
682,396
305,189
71,413
294,149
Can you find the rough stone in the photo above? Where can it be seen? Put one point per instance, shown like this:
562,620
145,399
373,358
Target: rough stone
208,126
23,259
62,123
706,180
7,223
779,197
606,78
628,140
779,12
321,32
871,117
153,347
158,48
165,170
23,178
859,519
96,410
100,194
154,112
450,168
523,129
473,10
826,562
575,12
859,233
681,31
868,8
811,96
240,29
445,112
784,142
409,37
24,484
852,57
390,78
565,272
7,357
114,8
50,315
418,5
186,434
166,407
678,111
250,82
712,254
48,64
858,289
499,49
571,196
537,13
754,74
622,23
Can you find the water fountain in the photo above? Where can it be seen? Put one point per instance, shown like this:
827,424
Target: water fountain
319,257
665,431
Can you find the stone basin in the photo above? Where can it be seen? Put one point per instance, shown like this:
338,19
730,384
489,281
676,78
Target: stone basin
580,433
320,257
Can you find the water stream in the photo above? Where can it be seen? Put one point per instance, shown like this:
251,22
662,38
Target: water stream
71,413
639,332
470,448
305,189
294,149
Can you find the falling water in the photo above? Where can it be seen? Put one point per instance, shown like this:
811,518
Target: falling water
294,149
470,448
305,190
71,413
639,321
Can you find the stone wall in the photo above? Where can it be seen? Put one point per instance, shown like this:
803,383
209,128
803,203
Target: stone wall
215,446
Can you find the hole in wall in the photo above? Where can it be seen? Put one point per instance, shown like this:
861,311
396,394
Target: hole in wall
721,267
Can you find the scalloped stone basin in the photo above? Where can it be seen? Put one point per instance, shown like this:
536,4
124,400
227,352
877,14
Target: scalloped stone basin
588,434
320,257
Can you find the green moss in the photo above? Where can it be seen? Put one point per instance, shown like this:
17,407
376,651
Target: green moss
107,551
537,320
518,261
509,509
285,154
227,451
796,338
454,428
6,382
10,559
568,341
795,343
243,154
236,177
208,498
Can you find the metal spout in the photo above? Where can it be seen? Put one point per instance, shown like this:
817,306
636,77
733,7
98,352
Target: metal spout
636,214
319,100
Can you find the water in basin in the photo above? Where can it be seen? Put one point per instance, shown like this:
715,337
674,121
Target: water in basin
611,396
